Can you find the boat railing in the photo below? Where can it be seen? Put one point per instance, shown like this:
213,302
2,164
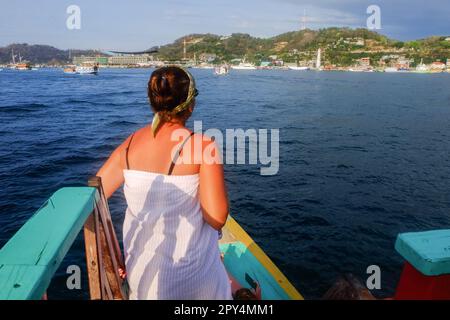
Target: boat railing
29,260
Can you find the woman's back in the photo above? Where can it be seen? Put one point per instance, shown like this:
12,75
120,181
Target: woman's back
174,207
155,154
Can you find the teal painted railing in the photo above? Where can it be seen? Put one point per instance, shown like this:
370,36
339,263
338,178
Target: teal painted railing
29,260
31,257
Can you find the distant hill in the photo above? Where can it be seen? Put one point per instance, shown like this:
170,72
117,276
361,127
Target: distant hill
40,53
340,46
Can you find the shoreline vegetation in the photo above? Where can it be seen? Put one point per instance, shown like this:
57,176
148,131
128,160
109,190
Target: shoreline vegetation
342,49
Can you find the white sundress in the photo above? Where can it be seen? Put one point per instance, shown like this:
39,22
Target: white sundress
170,250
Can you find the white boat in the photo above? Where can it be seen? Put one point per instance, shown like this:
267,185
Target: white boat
422,68
86,69
222,70
244,66
391,69
298,68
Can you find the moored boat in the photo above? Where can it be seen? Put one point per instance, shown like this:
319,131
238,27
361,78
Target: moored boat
244,66
222,70
22,66
422,68
87,69
391,69
298,68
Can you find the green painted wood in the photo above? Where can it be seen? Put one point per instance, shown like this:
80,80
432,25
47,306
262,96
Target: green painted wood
428,252
238,261
31,257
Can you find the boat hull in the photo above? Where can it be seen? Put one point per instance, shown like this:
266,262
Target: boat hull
243,257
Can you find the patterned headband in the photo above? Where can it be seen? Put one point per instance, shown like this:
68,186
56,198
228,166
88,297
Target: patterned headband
158,121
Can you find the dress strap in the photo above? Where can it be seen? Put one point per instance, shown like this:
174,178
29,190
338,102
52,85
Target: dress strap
126,151
177,155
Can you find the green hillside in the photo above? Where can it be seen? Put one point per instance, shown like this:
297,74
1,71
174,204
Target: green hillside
341,46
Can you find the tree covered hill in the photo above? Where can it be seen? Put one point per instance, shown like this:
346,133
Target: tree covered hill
39,53
340,46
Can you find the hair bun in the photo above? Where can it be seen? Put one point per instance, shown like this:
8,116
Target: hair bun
167,88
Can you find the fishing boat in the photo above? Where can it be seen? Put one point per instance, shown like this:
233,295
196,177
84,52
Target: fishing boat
29,260
222,70
21,65
87,69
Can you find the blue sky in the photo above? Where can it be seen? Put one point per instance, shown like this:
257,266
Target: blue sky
140,24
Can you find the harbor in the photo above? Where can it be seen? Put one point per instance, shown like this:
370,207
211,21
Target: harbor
333,49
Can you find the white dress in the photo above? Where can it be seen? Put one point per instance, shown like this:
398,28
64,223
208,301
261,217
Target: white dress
170,250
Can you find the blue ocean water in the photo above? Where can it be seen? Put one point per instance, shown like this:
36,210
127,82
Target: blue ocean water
362,158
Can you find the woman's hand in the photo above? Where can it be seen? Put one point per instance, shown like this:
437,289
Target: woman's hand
258,291
122,273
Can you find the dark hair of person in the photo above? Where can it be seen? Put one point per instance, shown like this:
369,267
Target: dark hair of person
244,294
168,87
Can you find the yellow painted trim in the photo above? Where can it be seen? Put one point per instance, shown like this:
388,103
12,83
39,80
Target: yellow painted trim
239,233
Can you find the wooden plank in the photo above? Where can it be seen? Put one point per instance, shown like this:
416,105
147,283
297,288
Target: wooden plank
109,268
92,265
111,253
31,257
104,285
106,218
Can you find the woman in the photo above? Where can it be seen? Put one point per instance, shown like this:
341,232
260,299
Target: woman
175,208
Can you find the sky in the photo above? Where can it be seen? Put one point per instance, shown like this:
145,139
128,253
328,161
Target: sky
141,24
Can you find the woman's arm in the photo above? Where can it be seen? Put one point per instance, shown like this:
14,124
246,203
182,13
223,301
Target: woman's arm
112,171
213,193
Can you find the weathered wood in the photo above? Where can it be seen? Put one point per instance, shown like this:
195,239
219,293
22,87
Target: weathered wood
106,217
31,257
104,285
109,247
110,270
92,263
